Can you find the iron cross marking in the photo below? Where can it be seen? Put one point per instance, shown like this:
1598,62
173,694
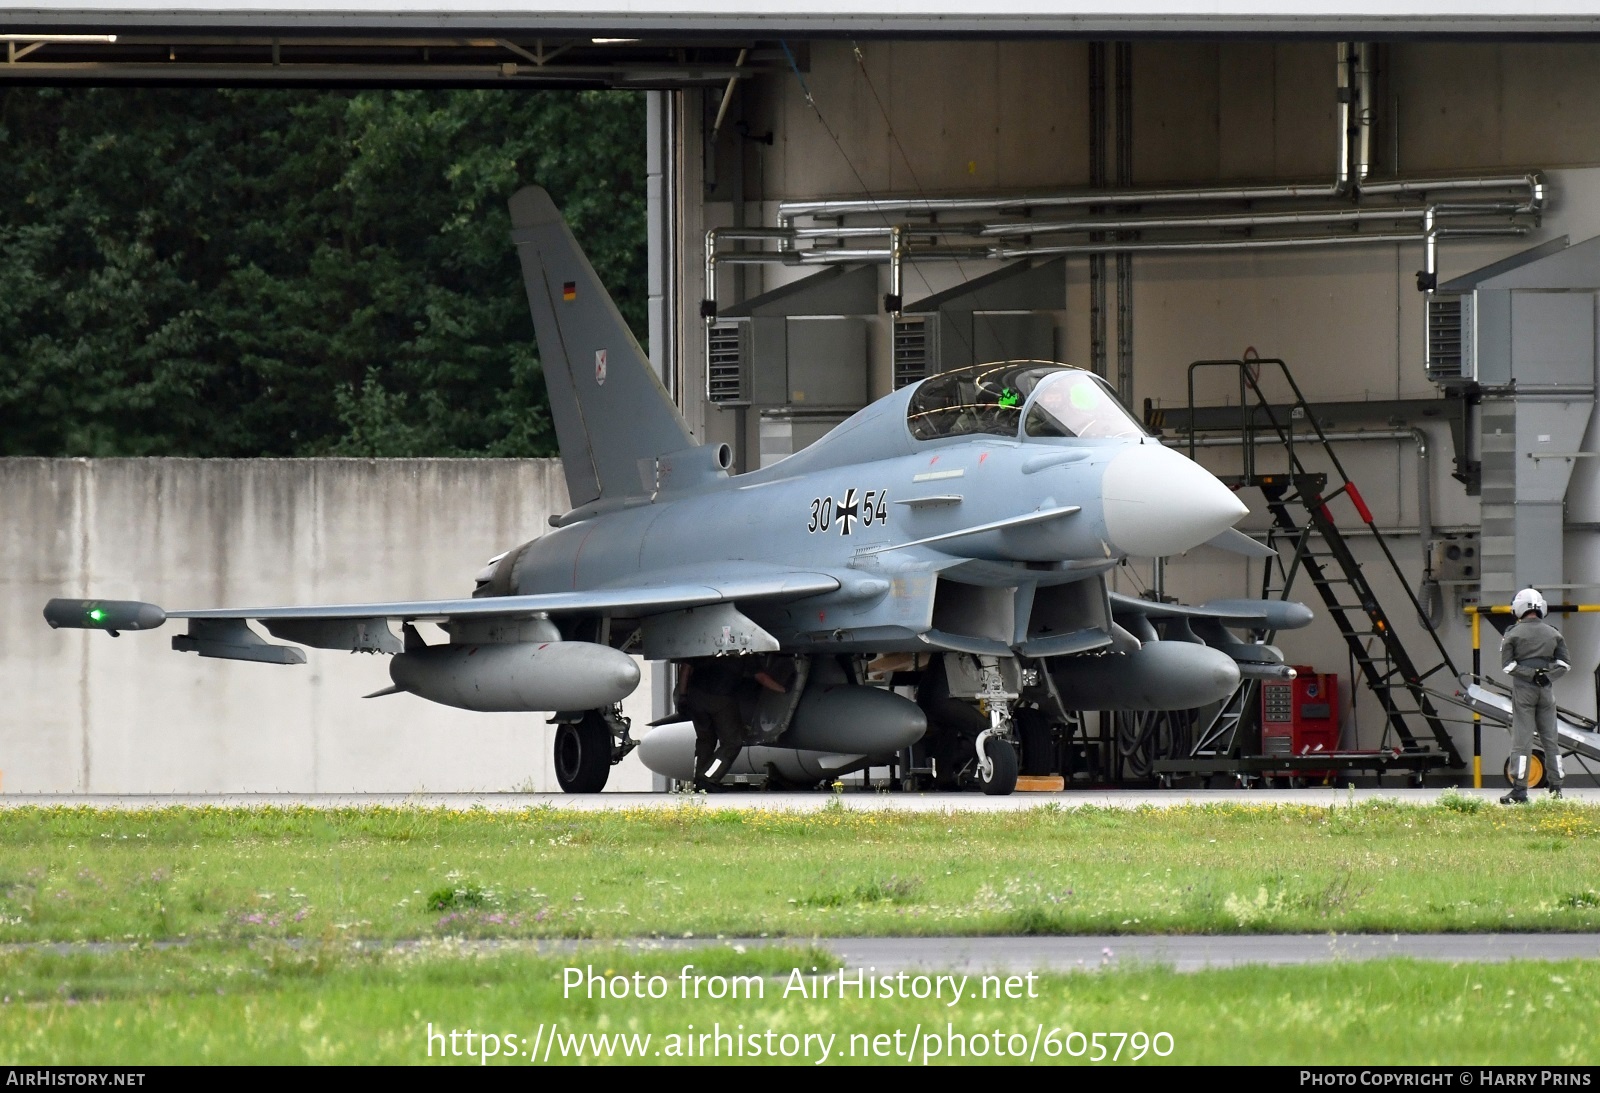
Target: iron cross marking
848,511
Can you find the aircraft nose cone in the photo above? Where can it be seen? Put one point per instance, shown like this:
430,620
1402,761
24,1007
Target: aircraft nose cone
1158,502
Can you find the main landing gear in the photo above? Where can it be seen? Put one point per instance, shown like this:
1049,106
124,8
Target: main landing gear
588,744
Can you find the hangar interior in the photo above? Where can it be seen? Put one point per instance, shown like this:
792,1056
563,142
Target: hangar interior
1404,220
1404,223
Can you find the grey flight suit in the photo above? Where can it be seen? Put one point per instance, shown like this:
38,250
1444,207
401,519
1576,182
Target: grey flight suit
710,699
1530,646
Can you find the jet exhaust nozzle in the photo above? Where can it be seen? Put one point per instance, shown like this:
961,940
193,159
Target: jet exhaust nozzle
1161,675
518,677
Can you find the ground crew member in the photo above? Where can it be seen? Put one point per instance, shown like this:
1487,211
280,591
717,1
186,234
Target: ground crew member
708,691
1534,654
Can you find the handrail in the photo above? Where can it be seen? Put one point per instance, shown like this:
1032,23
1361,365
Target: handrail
1285,432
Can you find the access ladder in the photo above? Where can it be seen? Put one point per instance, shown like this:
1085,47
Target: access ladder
1299,503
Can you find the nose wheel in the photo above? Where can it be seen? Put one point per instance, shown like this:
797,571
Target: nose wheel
997,769
997,762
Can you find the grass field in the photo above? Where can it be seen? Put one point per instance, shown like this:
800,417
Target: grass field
185,936
268,1003
80,874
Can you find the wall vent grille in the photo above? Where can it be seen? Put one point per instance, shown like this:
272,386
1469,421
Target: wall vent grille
727,372
1444,335
910,351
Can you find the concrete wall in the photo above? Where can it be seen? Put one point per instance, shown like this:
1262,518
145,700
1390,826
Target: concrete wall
83,712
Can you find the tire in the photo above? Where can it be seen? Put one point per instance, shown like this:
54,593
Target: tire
1003,758
1038,742
583,754
1536,771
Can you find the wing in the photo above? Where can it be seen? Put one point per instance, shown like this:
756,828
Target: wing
364,627
1209,623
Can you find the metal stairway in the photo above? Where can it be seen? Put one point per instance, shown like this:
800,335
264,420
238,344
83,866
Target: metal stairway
1299,502
1385,665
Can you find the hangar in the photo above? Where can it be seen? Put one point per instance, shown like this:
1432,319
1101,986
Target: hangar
1394,205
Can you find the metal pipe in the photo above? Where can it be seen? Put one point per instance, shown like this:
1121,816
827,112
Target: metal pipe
1243,244
846,255
1224,220
893,301
1428,279
1363,111
1534,181
1135,245
765,258
842,254
727,97
760,233
1346,64
842,232
1244,220
896,254
788,210
1424,494
708,302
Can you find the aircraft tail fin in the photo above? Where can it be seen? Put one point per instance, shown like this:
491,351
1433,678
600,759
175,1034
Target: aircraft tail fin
610,409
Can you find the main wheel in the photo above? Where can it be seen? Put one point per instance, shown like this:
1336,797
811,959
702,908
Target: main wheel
583,754
1536,772
1038,742
1003,777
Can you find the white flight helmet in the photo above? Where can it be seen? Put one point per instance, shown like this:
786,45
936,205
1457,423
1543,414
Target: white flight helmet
1527,600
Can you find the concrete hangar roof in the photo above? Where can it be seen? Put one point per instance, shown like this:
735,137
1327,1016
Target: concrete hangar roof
646,43
1089,18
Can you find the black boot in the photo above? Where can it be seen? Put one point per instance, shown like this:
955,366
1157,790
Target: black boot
1517,796
1555,793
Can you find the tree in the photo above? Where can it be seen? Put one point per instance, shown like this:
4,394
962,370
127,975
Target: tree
244,272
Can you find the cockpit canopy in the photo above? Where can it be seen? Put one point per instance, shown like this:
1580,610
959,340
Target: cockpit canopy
1008,398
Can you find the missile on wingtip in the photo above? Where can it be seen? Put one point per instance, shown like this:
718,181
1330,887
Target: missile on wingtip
1261,614
518,677
108,615
1161,675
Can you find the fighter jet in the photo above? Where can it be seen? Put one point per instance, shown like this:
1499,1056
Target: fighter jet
959,530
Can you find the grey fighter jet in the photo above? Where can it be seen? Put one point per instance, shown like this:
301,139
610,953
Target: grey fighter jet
960,529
